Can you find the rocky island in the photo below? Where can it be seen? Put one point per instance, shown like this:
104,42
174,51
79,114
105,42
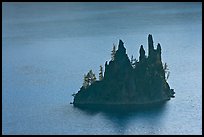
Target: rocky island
127,81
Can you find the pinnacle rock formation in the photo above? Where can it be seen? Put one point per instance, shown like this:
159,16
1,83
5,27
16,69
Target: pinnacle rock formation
124,84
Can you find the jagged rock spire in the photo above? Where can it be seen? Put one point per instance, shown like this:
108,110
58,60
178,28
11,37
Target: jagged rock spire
150,45
121,47
142,53
121,42
159,52
159,48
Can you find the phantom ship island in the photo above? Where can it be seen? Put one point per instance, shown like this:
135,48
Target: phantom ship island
127,82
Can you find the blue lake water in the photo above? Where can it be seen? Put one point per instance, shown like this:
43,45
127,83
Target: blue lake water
48,47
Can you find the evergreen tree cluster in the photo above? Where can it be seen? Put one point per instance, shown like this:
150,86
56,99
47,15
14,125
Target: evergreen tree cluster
90,77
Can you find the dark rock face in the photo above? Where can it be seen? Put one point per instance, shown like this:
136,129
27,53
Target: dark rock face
123,84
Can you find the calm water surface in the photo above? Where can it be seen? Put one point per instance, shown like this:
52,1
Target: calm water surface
48,47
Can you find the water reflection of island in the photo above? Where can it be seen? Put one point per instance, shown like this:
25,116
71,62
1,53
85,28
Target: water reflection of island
129,119
127,81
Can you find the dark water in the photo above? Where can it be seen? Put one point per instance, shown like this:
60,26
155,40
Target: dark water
47,47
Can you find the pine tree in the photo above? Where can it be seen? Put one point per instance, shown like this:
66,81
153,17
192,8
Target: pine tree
166,70
94,77
165,67
113,52
90,78
133,61
86,81
90,73
101,73
168,73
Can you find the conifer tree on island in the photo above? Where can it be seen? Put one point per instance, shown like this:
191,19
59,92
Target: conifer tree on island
113,52
86,81
89,79
101,73
133,61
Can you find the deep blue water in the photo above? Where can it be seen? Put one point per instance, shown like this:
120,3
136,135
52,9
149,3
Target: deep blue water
48,47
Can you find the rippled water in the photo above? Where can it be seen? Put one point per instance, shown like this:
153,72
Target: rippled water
47,47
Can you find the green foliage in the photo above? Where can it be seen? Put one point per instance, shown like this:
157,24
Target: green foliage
133,61
113,52
101,73
167,76
89,79
166,70
86,81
